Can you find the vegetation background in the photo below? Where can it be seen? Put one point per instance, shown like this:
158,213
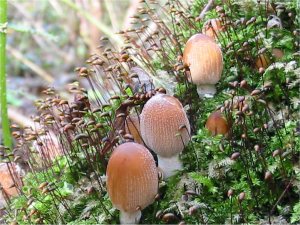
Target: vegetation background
48,39
252,175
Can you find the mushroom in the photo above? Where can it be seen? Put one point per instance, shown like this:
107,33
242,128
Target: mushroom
262,61
132,126
132,180
9,181
165,129
203,57
212,27
217,124
277,53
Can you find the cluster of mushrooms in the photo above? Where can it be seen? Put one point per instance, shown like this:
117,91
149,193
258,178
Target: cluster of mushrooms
163,127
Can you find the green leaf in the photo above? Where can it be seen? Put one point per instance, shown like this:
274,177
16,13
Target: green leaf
296,213
204,180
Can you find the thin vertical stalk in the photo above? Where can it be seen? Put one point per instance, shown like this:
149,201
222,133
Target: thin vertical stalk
102,27
3,101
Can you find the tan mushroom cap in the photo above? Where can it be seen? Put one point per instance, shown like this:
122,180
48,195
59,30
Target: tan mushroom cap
6,180
161,118
217,124
132,126
132,177
262,61
277,53
204,59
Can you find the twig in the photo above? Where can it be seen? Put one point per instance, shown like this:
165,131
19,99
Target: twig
131,11
206,9
112,15
38,70
19,118
281,196
107,31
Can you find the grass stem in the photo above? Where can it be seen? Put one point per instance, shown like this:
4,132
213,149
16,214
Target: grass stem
3,101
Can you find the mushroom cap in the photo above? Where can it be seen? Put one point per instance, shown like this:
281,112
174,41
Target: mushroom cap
6,180
277,53
212,27
132,126
217,124
161,118
204,58
262,61
132,178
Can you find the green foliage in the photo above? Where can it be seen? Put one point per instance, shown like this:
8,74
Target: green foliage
249,174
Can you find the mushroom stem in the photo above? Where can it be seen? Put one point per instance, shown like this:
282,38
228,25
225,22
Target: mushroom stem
169,165
130,217
206,90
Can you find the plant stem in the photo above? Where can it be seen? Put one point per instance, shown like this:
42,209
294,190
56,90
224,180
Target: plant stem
102,27
3,101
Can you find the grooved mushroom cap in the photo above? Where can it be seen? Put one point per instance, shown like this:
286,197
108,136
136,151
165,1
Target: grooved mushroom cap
161,118
204,58
262,61
217,124
132,126
132,177
6,181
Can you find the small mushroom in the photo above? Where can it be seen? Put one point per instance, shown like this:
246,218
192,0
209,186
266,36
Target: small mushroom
262,61
277,53
212,27
166,130
132,180
217,124
203,57
132,126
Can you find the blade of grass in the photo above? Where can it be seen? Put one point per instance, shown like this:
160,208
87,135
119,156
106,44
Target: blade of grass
37,69
4,116
108,32
112,15
26,29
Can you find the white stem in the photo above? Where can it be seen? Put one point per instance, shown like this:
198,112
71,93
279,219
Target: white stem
206,90
130,217
169,166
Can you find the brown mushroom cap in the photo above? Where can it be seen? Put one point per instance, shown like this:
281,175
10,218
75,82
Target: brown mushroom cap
217,124
161,120
262,61
7,181
212,27
204,58
132,177
132,126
